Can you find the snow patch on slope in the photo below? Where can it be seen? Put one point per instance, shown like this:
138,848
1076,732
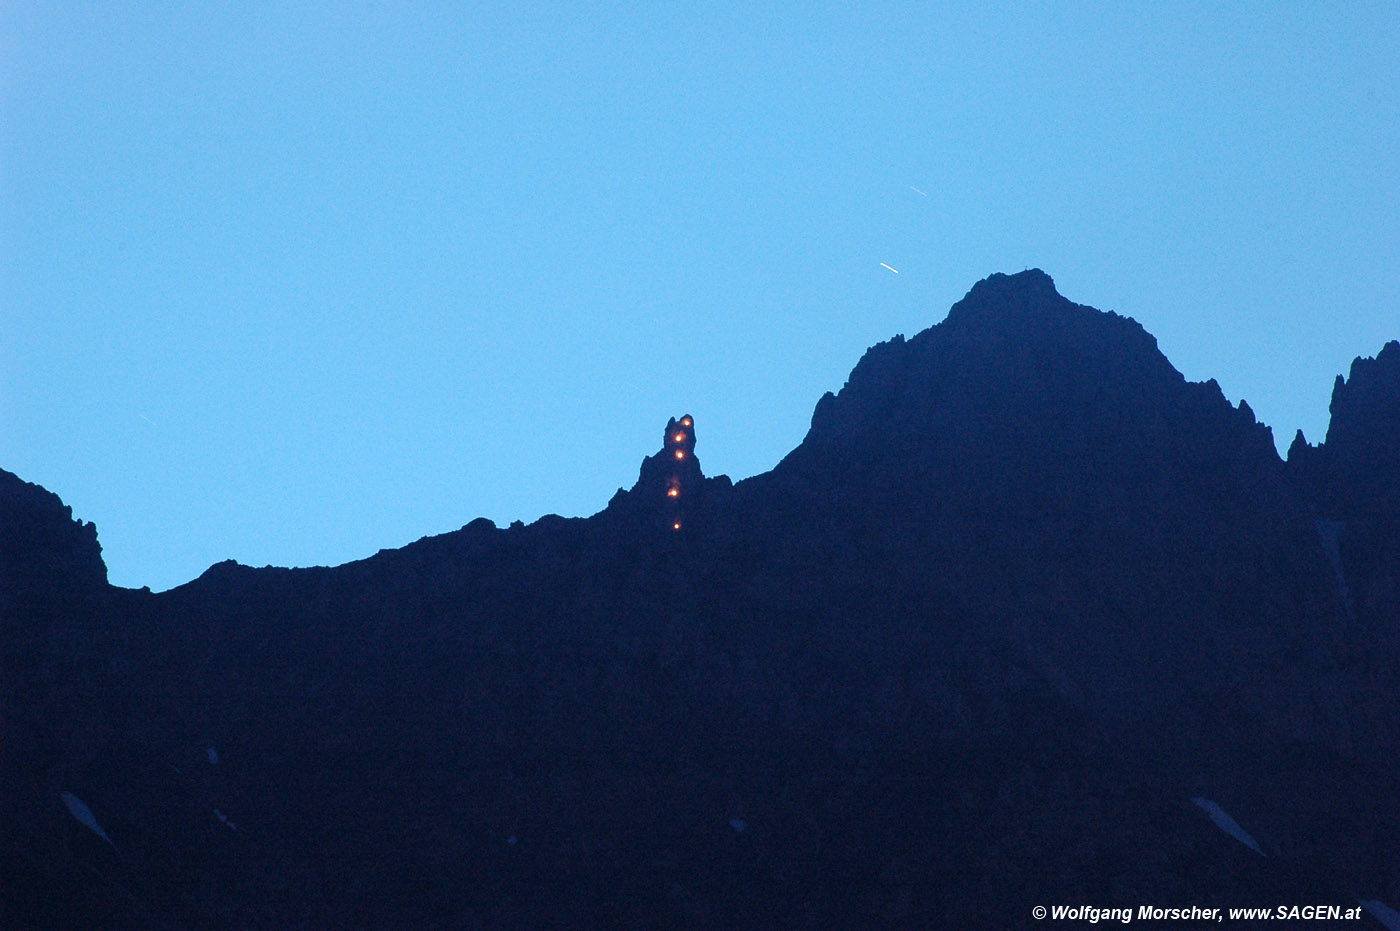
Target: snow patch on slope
1330,533
84,815
1229,825
1382,913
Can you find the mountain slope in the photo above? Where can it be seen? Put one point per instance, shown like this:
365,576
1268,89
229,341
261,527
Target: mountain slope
1019,597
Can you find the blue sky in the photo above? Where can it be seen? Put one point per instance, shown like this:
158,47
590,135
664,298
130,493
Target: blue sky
291,282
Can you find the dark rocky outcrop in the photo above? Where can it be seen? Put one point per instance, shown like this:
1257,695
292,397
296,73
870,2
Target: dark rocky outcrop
1355,473
42,548
1021,594
671,492
1351,485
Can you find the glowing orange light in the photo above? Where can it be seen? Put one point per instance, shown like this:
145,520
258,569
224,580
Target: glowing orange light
686,422
676,525
673,492
679,437
680,454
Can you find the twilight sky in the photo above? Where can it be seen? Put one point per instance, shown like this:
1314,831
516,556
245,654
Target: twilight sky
290,282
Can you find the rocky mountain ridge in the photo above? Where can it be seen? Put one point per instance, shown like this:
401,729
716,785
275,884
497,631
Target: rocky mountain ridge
1021,595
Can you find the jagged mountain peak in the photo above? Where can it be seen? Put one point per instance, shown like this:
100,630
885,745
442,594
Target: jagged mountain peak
1026,307
41,542
1354,475
1015,354
1366,406
1031,289
671,485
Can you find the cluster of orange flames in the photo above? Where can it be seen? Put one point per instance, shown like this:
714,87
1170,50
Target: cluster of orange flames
673,490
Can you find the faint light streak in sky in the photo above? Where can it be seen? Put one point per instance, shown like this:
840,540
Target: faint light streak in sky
895,270
917,191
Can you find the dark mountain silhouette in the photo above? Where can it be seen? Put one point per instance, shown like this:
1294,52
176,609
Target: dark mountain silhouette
1351,483
1027,619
